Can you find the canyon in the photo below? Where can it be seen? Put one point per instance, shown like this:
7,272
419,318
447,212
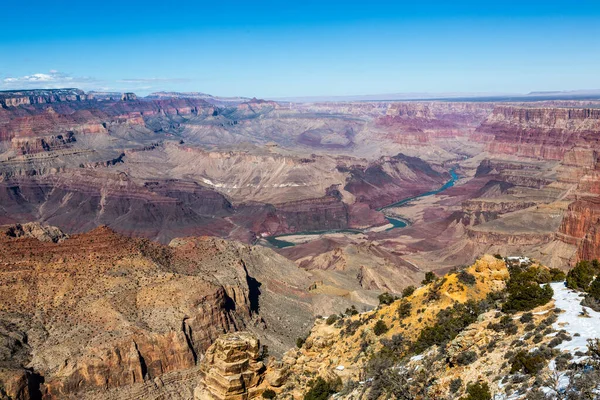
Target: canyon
136,232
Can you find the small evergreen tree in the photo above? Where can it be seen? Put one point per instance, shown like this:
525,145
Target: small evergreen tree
380,328
386,298
580,277
524,291
408,291
594,290
429,277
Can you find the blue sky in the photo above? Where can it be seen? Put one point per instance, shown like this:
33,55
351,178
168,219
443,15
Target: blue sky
309,48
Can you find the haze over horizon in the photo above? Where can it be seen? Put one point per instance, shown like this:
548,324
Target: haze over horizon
274,50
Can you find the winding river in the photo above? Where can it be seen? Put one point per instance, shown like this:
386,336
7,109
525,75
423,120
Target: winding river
278,242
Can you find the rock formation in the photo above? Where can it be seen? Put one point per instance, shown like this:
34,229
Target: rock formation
231,369
99,312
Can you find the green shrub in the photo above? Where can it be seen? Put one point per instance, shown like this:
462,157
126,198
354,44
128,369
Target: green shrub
320,389
498,256
429,277
380,328
449,323
594,289
528,363
556,275
408,291
478,391
580,277
466,278
332,319
404,309
386,298
524,292
526,318
434,294
269,394
351,311
506,325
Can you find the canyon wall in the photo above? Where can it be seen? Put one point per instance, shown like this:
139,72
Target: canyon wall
547,133
102,312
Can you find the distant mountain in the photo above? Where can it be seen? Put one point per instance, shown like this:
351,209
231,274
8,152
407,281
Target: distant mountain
497,97
216,100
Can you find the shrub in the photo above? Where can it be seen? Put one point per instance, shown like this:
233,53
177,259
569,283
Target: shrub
449,323
524,292
498,256
404,309
529,327
466,278
562,361
478,391
331,319
434,294
455,385
352,327
506,325
555,342
386,298
580,277
466,358
380,328
556,275
320,389
429,277
351,311
594,289
526,318
528,363
269,394
408,291
395,344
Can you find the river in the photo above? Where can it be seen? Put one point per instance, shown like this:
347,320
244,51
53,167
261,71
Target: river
396,222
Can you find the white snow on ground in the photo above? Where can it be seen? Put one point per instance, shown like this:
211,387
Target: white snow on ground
571,320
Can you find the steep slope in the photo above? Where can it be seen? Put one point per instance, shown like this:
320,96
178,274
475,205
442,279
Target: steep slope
344,348
98,311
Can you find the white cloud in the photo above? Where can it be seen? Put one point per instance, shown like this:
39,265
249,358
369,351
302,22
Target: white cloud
54,79
51,80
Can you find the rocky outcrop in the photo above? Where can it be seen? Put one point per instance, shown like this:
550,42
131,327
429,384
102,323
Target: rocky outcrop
343,349
547,133
15,98
128,97
580,226
103,312
43,233
477,211
49,123
509,238
232,369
